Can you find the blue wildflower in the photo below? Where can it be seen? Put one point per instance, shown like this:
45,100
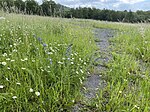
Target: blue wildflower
44,45
39,39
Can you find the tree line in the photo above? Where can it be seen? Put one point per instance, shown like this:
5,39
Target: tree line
50,8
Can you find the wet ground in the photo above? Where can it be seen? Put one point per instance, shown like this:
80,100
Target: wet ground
94,82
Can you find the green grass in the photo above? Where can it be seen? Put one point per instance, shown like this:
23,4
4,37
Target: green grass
51,56
128,75
45,54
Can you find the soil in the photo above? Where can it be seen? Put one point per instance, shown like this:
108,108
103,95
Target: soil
94,81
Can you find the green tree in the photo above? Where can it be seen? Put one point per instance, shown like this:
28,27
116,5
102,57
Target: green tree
6,5
129,16
31,7
48,8
19,5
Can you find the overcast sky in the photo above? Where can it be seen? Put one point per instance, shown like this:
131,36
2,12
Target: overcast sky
108,4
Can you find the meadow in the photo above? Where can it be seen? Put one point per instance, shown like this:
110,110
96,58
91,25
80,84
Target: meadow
44,61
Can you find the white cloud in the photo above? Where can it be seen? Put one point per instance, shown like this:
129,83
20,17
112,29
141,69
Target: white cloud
109,4
116,5
131,1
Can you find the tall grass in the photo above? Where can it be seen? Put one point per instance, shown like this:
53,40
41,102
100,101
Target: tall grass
42,63
44,60
128,75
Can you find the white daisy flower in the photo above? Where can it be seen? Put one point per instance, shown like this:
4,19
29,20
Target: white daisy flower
1,86
18,83
37,93
4,63
31,90
7,79
14,97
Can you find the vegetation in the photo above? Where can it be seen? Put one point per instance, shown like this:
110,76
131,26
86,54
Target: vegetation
128,75
44,61
50,8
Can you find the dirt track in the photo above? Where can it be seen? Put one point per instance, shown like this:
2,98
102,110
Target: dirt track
94,82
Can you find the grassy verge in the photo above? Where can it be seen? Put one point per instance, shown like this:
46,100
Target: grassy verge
42,63
44,60
128,73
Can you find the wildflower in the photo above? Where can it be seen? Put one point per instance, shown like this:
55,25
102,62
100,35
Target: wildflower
33,60
42,70
77,72
72,63
120,92
8,59
14,97
1,86
7,79
12,60
31,90
125,80
50,61
5,54
18,83
135,106
39,39
44,45
8,68
97,105
37,93
49,53
15,44
22,60
60,62
25,59
4,63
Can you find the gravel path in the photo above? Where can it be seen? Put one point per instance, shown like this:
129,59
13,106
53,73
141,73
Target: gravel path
94,81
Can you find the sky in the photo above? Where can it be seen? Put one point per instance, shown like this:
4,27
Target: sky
108,4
